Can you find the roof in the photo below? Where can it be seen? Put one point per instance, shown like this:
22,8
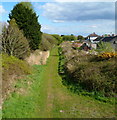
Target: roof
98,39
109,39
106,39
93,35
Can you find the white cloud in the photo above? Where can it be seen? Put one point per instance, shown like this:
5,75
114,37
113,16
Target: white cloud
105,27
58,21
2,10
85,0
94,26
78,11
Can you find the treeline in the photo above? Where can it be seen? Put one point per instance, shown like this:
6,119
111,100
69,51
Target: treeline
87,74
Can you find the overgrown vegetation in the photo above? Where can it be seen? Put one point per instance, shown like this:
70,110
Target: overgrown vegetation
83,73
12,69
68,37
42,95
47,42
104,47
58,38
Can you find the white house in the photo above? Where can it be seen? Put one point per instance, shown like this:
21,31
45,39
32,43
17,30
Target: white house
92,37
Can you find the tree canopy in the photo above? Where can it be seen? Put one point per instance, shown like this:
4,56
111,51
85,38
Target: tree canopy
28,22
80,37
68,37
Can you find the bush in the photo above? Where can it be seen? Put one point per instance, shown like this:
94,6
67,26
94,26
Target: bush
58,38
90,74
104,47
106,56
13,41
47,42
69,37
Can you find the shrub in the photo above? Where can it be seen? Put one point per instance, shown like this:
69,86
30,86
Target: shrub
13,41
47,42
106,56
105,47
69,37
58,38
92,75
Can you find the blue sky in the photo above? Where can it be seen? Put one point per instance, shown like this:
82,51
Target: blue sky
78,18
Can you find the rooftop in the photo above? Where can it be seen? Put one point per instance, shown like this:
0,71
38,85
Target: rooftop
93,35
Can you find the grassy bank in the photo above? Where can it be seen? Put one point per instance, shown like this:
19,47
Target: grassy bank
22,104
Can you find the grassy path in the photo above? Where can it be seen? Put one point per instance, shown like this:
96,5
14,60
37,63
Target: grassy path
46,97
58,102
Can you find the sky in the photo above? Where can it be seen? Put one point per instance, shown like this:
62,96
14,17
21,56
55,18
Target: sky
70,16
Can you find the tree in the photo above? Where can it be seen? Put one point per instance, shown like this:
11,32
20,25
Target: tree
28,22
80,37
13,41
68,37
27,5
72,37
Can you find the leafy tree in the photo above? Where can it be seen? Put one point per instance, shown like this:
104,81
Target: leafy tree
72,37
68,37
13,41
28,22
80,37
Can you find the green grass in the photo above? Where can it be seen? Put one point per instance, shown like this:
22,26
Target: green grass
13,64
47,97
21,105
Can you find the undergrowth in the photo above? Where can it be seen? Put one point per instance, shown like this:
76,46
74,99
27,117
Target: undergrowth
89,78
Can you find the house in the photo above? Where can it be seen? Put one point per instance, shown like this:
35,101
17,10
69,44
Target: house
92,37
